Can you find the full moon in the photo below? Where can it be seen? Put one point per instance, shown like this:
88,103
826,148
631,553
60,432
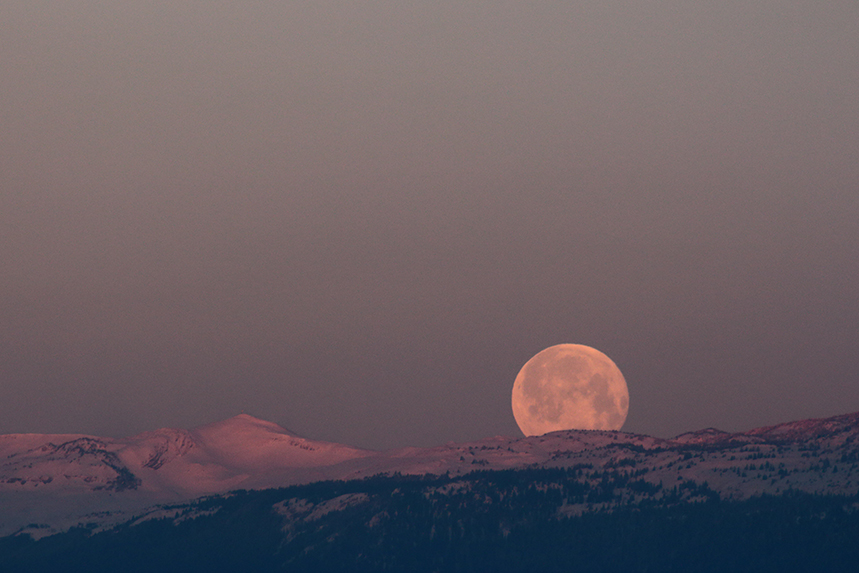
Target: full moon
569,387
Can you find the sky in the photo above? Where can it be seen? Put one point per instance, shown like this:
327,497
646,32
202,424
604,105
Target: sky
360,219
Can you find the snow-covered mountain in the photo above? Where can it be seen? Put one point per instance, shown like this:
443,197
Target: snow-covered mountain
52,481
209,459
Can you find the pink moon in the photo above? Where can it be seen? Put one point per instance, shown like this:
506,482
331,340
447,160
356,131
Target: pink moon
569,387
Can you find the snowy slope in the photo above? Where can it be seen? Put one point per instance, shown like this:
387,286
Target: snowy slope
53,481
224,455
208,459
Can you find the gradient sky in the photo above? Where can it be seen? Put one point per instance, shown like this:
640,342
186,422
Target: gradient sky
360,219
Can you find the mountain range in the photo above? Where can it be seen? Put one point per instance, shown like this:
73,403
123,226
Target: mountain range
52,482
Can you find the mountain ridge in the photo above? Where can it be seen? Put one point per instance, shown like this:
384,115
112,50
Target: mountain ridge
82,474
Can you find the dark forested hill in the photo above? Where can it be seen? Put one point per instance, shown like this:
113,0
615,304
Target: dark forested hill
571,519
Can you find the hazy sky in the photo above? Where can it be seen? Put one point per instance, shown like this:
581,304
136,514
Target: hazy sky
359,219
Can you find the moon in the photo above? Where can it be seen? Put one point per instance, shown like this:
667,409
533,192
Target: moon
569,387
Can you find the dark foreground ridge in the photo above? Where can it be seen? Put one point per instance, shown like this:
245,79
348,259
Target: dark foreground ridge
562,519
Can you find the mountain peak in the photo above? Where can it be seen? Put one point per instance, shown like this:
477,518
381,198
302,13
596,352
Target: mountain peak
707,435
812,428
242,424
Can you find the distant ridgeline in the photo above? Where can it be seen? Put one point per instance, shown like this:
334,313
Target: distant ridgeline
556,519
